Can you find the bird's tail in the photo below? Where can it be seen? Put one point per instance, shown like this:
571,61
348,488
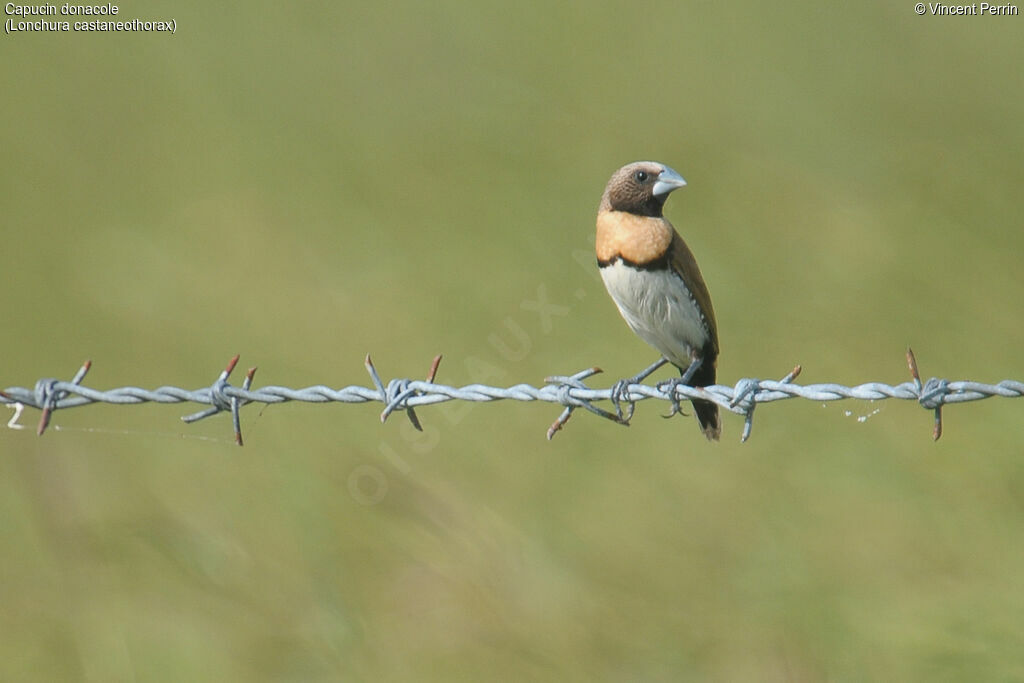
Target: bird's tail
707,415
707,412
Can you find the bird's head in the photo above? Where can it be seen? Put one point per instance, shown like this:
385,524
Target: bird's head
640,188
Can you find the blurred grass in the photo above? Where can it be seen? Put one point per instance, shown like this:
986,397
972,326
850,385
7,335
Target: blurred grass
306,184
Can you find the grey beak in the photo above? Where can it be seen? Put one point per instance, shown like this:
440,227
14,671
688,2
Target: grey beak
668,180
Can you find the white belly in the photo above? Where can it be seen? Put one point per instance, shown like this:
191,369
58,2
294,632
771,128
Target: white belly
659,308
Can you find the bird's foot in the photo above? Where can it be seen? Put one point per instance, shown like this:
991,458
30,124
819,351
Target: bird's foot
669,387
620,390
619,393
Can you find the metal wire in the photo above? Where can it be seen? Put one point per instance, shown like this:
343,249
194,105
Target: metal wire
569,391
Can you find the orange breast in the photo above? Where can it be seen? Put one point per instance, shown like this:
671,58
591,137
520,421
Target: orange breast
638,239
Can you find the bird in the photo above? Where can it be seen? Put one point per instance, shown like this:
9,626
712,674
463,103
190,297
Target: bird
657,286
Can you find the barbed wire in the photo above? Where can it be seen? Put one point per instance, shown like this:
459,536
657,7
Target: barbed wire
569,391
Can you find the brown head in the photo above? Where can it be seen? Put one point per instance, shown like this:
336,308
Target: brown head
640,188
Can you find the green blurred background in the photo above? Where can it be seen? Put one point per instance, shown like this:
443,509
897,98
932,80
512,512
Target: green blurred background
303,184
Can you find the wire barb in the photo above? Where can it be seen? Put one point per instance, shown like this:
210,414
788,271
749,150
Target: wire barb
398,392
569,391
931,395
745,399
221,400
566,383
48,395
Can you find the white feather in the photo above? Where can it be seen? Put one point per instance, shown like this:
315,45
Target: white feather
658,306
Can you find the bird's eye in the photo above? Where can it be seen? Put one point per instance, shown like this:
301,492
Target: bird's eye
641,176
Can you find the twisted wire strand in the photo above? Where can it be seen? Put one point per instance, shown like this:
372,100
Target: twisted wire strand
569,391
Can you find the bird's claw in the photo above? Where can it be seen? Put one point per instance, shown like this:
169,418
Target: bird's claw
619,392
669,387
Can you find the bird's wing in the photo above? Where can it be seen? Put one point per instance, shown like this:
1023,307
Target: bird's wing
681,260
